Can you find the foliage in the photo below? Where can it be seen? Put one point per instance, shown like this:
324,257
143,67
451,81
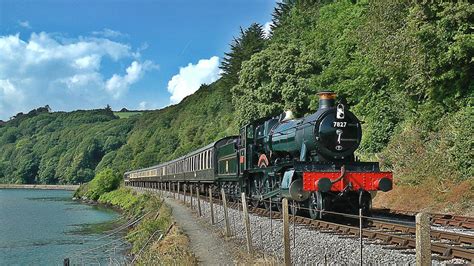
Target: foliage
105,181
442,156
250,41
274,80
405,68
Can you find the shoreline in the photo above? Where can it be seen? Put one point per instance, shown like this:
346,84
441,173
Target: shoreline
35,186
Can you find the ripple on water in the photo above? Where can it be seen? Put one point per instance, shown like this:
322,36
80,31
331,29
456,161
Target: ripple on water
42,227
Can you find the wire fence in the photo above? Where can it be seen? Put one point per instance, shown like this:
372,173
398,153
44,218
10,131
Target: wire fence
288,241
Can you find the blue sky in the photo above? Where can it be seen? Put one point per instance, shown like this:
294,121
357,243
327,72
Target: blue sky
141,54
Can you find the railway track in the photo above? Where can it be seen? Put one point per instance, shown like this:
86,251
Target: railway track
447,245
464,222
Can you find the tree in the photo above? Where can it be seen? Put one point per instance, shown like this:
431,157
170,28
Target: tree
272,81
250,41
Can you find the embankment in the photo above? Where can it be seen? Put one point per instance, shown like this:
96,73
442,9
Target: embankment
25,186
155,239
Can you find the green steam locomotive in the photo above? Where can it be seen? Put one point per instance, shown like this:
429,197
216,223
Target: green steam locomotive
309,160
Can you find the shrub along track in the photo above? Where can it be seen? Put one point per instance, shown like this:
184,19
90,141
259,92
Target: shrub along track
448,245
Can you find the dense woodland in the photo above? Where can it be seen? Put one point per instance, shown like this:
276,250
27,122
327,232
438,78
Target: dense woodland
405,68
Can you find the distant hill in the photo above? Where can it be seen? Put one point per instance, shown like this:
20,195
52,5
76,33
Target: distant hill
69,147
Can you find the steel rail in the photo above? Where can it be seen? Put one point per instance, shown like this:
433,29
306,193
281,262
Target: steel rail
465,222
397,235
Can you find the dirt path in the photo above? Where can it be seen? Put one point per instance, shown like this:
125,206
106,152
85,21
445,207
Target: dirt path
209,248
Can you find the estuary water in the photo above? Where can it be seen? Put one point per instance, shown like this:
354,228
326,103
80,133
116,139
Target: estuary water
43,227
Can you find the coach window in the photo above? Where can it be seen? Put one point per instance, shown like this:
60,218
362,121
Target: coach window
209,159
200,161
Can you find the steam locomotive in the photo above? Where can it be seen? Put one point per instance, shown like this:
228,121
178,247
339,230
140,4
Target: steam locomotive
309,160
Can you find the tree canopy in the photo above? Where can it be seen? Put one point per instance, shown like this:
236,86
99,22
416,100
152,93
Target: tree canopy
404,67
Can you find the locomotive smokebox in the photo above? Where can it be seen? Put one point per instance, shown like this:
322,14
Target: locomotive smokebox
327,99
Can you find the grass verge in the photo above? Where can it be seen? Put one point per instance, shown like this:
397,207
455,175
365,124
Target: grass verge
147,245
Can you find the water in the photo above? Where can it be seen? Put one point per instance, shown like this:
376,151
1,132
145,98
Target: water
42,227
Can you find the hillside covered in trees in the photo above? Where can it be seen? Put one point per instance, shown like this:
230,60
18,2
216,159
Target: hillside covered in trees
405,68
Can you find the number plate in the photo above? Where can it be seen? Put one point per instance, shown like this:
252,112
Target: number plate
339,124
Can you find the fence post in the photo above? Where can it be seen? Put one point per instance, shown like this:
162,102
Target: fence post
247,224
226,215
360,236
211,205
286,232
179,190
423,240
198,201
191,198
184,193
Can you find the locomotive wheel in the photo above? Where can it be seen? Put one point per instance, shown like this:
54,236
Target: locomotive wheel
254,192
278,205
266,188
317,203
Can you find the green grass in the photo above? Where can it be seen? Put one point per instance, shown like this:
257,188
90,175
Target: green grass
127,114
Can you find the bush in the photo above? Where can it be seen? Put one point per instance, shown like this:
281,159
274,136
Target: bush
105,181
416,154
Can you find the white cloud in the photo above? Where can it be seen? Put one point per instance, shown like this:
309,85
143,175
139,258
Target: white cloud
24,24
267,29
10,96
117,85
142,105
108,33
64,73
191,77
